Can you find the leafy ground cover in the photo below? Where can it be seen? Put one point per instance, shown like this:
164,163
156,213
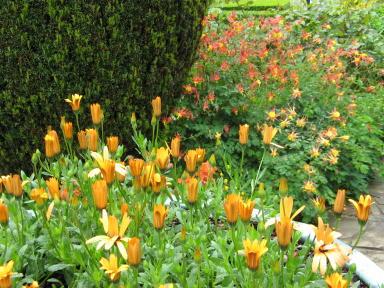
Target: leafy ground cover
317,92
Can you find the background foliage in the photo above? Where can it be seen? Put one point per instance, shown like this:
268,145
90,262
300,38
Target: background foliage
117,53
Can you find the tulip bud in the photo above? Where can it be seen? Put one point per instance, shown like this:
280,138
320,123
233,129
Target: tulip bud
338,206
68,130
100,194
156,105
190,160
82,138
175,147
4,215
96,113
113,143
92,139
283,186
192,186
243,134
134,251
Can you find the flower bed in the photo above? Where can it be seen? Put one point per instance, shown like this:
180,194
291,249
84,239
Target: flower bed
87,217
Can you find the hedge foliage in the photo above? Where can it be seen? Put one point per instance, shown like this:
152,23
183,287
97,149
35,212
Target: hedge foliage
118,53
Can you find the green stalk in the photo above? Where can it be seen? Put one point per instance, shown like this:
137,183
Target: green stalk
282,267
6,243
337,221
21,218
359,237
241,164
77,120
49,233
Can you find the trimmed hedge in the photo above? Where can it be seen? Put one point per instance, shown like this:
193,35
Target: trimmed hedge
118,53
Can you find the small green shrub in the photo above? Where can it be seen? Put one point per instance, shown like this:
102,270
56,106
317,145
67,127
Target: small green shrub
120,54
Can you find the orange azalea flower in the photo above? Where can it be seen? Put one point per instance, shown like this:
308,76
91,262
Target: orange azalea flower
325,248
115,236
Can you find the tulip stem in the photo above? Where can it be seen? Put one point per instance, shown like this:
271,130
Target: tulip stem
337,222
50,234
21,218
6,243
359,237
77,120
157,130
282,267
261,163
241,163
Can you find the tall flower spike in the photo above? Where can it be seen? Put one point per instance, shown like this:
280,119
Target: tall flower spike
115,235
75,102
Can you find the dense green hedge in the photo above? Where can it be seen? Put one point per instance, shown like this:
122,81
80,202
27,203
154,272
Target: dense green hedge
117,53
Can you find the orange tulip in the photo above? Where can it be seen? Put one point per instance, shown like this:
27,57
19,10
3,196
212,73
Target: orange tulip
162,157
192,186
200,154
75,102
363,208
243,134
49,146
39,195
68,130
4,215
92,139
190,160
268,133
338,206
82,138
134,251
100,194
96,113
231,207
253,252
113,143
156,105
159,214
136,166
175,147
245,209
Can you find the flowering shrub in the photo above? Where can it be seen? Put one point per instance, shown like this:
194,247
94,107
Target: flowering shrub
87,217
310,87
